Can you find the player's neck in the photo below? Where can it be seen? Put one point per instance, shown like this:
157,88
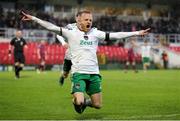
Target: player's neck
18,37
81,29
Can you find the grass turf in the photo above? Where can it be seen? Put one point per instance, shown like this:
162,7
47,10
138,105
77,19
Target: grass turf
151,95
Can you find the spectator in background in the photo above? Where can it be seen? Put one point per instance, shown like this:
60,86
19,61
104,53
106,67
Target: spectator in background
104,23
41,51
2,21
165,59
19,43
49,37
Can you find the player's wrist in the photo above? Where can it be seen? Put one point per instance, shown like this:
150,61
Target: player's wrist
138,32
63,43
34,18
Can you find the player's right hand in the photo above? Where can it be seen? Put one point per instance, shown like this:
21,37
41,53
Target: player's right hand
26,17
61,80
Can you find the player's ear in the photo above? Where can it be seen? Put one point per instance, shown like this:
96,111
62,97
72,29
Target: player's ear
77,19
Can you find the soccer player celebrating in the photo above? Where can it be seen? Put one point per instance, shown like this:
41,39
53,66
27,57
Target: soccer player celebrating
19,43
83,43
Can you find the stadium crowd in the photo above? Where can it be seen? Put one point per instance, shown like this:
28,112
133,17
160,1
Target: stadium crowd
12,20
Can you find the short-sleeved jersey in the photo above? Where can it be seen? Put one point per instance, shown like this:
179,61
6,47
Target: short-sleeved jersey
83,47
18,44
146,51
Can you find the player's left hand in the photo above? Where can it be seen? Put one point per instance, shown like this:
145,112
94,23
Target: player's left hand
26,17
144,32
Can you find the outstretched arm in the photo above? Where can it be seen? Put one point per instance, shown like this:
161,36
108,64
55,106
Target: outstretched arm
120,35
47,25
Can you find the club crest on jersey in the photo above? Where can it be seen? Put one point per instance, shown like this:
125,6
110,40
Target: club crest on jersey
85,37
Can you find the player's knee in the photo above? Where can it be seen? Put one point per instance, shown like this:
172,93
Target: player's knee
79,101
97,105
65,74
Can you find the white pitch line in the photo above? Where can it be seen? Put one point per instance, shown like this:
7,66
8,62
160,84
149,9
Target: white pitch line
152,116
143,117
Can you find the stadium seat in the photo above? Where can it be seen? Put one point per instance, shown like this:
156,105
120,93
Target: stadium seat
55,54
175,48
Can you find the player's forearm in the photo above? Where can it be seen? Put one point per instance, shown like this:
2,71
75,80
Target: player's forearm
120,35
47,25
61,39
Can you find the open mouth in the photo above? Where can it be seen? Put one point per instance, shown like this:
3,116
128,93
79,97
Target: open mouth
88,26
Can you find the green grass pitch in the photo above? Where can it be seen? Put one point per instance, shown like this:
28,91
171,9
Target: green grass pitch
151,95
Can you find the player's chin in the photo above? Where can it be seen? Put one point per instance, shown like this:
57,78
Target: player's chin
88,27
